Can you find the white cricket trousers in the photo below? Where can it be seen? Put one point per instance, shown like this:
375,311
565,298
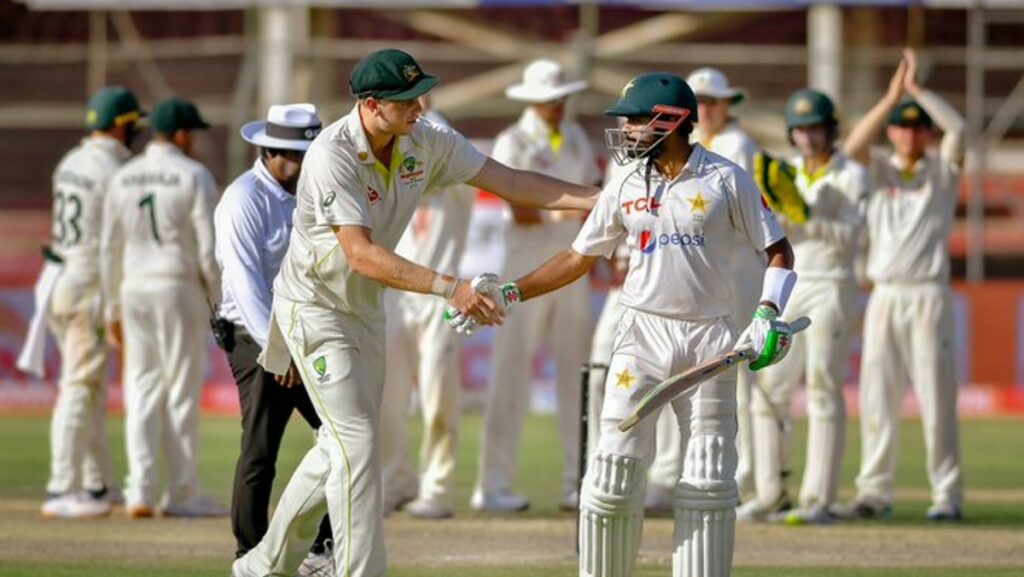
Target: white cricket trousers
79,451
820,356
165,326
341,358
908,335
424,350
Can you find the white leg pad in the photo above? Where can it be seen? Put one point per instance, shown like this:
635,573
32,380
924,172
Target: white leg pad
706,499
611,515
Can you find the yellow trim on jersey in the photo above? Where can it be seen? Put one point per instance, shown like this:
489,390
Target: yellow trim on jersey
816,175
555,140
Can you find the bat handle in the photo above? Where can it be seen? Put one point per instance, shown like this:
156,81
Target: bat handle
629,422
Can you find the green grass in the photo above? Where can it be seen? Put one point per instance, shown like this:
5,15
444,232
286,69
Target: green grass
990,460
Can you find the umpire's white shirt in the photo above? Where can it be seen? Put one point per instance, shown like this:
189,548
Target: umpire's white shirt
80,184
252,222
824,247
680,234
343,184
158,223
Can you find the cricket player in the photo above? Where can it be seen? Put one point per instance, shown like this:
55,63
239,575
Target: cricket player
80,465
422,350
361,181
545,141
160,283
253,222
908,325
681,213
834,189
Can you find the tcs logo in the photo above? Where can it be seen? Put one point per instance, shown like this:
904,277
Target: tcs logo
642,204
650,241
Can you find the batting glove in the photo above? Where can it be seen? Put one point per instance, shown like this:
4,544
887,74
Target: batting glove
504,295
768,337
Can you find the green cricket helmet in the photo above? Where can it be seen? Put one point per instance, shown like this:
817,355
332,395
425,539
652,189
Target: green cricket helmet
661,96
807,107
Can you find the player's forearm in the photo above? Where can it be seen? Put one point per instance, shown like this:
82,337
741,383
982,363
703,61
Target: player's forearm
533,190
560,270
389,269
949,120
780,255
867,130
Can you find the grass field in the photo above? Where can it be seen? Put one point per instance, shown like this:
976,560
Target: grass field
990,542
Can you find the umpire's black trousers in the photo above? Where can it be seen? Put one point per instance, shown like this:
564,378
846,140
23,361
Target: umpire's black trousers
266,408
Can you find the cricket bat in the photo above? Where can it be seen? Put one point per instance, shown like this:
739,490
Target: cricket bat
664,392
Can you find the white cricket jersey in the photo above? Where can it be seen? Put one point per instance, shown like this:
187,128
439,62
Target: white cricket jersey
80,184
343,184
528,145
680,234
253,222
733,144
910,212
826,244
436,237
158,223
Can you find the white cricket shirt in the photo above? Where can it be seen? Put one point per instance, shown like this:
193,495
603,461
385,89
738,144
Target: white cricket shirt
253,222
826,244
158,223
733,144
343,184
680,234
80,184
910,212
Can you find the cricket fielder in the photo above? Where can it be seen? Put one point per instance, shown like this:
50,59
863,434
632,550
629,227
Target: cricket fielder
908,325
545,141
361,181
80,465
252,224
160,282
681,216
834,189
424,351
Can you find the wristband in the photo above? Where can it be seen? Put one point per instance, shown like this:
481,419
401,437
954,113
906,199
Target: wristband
443,286
778,285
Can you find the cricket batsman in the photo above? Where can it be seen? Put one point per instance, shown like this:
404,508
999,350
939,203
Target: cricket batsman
361,181
682,213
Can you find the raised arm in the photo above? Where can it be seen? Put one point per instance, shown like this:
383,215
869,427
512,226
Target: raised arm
533,189
866,131
376,262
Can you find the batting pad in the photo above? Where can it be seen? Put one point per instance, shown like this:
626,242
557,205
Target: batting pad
706,499
611,515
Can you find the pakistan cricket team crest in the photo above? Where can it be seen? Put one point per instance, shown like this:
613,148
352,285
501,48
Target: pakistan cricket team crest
320,366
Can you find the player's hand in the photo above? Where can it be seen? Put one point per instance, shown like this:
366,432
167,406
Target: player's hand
910,84
897,82
471,306
114,336
289,379
768,337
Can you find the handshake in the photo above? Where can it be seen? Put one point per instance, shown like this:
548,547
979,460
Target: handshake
504,296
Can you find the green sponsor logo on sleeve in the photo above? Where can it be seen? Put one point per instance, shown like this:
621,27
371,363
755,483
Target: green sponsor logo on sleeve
320,365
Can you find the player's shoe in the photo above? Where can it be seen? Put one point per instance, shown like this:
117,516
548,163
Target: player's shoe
756,512
75,506
813,515
427,508
941,513
660,501
394,503
194,508
139,511
861,509
503,501
319,564
570,500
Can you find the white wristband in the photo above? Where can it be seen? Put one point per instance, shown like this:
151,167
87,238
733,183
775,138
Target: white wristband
443,286
778,285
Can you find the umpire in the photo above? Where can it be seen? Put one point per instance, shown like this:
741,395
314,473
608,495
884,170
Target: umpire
253,224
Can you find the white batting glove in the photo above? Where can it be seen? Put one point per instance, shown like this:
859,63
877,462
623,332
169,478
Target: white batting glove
769,338
487,285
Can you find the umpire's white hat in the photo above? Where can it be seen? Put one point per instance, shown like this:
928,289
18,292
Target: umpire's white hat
544,81
288,127
711,82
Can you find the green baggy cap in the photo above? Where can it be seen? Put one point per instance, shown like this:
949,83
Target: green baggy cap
909,113
112,106
176,114
390,75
